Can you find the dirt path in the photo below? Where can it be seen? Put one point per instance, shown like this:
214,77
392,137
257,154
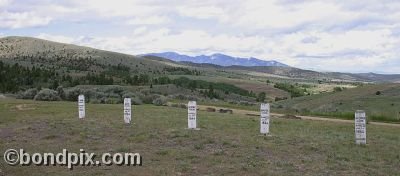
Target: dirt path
255,113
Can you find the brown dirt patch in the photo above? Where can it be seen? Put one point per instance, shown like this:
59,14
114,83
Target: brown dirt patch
25,107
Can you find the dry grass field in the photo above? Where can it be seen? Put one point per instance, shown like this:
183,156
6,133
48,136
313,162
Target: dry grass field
226,144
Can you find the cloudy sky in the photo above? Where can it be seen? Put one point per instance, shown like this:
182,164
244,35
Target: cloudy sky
336,35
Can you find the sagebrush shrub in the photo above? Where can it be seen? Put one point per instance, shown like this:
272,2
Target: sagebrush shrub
28,94
160,101
47,95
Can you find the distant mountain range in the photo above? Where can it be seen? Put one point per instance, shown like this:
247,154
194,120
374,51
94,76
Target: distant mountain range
217,59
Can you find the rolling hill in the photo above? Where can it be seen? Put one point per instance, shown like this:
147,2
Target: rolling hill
381,101
37,52
292,72
272,68
78,62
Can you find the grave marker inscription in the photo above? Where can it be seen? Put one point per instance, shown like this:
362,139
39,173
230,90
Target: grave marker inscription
81,106
127,110
192,113
264,118
360,127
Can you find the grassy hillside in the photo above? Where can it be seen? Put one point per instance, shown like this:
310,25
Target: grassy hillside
227,144
71,65
250,85
32,51
381,101
296,73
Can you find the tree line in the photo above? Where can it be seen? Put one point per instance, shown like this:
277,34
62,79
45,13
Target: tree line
14,78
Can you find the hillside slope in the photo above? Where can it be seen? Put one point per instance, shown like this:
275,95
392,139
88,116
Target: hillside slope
381,101
292,72
37,52
32,51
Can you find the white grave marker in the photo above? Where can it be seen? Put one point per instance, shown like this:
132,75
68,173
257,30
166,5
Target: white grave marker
192,108
264,118
360,127
127,110
81,106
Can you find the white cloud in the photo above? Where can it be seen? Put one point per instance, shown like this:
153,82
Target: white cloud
356,51
335,35
22,20
152,20
205,12
117,8
140,30
56,38
270,15
4,3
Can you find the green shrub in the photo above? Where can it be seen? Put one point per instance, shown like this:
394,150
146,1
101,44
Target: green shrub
28,94
99,95
160,101
280,98
136,101
175,105
183,106
60,91
115,89
112,100
128,94
89,94
210,86
294,90
337,89
180,97
246,103
47,95
72,94
192,98
148,99
261,97
184,97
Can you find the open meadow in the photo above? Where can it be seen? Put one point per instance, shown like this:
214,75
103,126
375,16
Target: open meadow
226,144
